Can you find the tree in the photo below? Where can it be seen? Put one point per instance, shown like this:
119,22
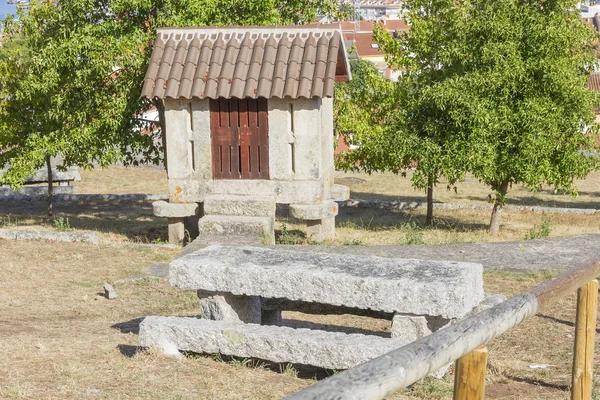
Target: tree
397,126
346,12
363,109
78,94
504,84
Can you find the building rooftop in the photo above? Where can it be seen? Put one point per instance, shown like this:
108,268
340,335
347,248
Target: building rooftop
242,62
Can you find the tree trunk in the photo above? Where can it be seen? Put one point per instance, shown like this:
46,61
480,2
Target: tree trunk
50,188
497,210
160,106
429,218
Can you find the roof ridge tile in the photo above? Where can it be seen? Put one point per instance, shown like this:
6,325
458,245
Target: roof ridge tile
293,61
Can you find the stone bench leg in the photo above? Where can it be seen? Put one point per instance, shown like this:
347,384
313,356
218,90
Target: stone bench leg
319,230
413,327
219,306
176,230
409,327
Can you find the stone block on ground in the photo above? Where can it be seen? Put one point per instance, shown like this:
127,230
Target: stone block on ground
230,308
250,206
261,228
318,230
409,327
21,234
37,190
333,350
176,230
421,287
109,291
162,208
323,210
41,175
340,192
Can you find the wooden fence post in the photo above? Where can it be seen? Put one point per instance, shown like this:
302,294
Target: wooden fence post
469,375
585,330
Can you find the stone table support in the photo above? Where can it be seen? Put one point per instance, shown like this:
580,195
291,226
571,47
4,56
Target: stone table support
320,219
176,213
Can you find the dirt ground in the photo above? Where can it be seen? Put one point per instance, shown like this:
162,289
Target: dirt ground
59,339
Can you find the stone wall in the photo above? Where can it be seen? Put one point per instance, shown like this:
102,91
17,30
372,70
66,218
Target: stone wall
300,152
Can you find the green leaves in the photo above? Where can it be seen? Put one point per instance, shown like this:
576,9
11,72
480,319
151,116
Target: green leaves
494,88
71,74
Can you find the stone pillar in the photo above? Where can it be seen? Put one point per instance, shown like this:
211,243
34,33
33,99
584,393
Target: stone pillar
318,230
409,327
222,306
320,219
176,214
176,230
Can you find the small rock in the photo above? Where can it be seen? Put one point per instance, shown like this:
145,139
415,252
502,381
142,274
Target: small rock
109,292
170,349
538,366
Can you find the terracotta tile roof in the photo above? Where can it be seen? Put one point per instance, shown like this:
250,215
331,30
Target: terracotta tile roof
396,24
240,62
594,81
367,26
364,44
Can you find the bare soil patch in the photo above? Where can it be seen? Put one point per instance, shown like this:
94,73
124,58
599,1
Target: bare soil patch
59,339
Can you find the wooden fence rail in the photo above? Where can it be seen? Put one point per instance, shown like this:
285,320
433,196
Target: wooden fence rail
402,367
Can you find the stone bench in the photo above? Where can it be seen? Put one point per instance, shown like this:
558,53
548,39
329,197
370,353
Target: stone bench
250,282
333,350
64,179
248,287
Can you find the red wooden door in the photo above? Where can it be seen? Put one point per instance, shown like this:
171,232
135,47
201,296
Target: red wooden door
240,146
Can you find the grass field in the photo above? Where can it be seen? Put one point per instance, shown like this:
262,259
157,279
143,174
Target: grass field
59,339
387,186
134,221
383,186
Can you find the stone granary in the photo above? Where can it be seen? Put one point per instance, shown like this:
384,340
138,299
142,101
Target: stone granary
248,124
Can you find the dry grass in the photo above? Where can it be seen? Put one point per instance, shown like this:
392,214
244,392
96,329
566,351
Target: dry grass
123,180
112,221
60,340
356,226
387,186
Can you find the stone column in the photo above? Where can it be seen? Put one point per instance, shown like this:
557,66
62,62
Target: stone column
223,306
320,219
176,214
176,230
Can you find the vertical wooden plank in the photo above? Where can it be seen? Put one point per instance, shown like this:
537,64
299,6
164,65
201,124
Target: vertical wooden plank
223,113
585,330
234,162
253,139
214,131
263,139
469,375
245,132
243,113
